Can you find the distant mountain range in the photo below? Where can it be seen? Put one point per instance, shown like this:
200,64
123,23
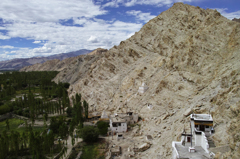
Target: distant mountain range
16,64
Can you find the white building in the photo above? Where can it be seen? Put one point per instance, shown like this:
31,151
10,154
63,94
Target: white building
194,144
143,88
129,117
118,125
202,122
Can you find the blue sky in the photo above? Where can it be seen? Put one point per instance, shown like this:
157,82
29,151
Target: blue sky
45,27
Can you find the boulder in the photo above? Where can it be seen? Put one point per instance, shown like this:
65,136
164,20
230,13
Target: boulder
188,112
144,147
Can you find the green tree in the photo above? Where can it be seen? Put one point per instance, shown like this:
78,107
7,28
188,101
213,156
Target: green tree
7,125
102,127
69,111
89,133
85,105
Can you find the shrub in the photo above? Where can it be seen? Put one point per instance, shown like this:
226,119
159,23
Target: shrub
5,109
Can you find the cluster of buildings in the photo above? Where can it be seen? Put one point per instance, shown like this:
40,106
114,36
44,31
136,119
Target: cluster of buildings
118,122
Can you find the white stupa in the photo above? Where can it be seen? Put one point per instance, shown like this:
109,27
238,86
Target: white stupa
143,88
104,115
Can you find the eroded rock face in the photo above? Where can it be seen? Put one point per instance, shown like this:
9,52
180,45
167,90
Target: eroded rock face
188,57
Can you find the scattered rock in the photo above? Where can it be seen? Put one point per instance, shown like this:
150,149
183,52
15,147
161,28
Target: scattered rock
144,147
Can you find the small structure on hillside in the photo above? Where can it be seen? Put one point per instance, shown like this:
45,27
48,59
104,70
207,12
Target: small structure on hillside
150,106
129,117
194,144
119,121
115,151
104,115
143,88
202,122
118,125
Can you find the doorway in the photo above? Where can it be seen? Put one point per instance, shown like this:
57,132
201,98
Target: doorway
202,128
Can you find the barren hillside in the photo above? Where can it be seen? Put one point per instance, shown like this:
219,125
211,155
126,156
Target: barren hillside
189,59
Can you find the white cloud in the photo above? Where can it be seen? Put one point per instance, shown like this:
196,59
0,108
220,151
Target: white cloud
4,37
6,47
37,42
2,28
47,10
230,15
57,38
130,3
141,16
93,39
41,21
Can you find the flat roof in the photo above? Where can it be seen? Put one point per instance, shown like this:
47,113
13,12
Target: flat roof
184,153
203,117
118,120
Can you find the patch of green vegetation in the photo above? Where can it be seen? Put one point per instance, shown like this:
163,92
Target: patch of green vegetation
91,151
13,125
26,90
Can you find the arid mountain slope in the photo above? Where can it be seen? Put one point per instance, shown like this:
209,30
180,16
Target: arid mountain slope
58,65
189,58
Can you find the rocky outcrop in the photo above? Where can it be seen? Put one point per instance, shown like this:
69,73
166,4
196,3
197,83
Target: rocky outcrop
98,51
236,20
189,59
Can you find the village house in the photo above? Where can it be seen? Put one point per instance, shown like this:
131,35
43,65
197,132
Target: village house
119,121
118,125
114,151
194,144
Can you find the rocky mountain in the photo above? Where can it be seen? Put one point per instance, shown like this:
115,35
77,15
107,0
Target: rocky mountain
58,65
236,20
16,64
189,59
